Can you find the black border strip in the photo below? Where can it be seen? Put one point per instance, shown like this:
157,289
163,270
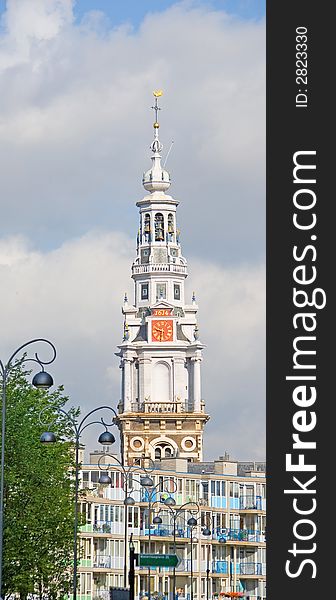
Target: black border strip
293,127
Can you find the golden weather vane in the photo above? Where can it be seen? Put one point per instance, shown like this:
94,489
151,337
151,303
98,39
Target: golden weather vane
156,94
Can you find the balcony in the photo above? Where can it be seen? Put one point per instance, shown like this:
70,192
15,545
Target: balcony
160,407
85,562
219,566
251,503
168,531
239,535
108,527
249,568
221,535
106,561
151,267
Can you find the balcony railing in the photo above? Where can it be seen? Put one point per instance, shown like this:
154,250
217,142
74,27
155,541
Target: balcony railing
250,503
168,531
107,561
108,527
150,267
222,535
160,407
239,535
219,566
249,568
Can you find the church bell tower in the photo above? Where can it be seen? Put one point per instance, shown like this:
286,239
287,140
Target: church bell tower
161,411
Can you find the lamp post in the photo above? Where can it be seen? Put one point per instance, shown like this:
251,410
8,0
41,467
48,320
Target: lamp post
148,483
206,531
126,470
41,380
106,437
192,522
175,513
132,570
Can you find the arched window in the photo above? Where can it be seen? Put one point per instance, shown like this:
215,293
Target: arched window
161,385
147,226
164,450
159,227
170,223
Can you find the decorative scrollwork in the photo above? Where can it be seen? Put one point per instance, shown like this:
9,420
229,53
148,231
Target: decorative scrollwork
7,367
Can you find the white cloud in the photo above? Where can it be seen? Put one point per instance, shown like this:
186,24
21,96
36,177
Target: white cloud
72,295
75,127
75,122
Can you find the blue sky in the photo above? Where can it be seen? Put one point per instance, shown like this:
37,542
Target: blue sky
133,11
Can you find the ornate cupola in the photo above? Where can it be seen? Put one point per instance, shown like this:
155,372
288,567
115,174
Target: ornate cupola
161,408
156,179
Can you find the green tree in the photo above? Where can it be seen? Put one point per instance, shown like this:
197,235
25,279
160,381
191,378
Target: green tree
39,493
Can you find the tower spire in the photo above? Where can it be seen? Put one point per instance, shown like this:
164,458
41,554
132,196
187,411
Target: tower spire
156,179
160,352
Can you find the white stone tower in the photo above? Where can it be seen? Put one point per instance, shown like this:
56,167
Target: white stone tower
161,412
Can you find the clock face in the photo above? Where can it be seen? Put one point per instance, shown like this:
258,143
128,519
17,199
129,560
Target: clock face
162,330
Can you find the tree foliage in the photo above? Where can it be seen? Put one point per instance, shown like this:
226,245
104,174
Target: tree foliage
39,492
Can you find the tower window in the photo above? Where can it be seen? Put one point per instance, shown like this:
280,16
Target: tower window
144,291
159,227
177,291
161,291
147,223
170,226
164,450
147,226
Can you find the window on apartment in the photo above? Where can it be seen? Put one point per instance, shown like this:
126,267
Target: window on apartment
234,489
95,476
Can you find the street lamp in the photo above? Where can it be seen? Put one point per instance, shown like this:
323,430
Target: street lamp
206,531
148,483
192,508
145,480
192,522
41,380
106,437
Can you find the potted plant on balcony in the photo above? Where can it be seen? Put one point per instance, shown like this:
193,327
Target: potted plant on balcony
232,594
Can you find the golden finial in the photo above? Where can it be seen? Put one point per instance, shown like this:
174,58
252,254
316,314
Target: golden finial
156,108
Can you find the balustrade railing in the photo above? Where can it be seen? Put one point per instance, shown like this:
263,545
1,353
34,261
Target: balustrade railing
241,535
160,407
149,267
